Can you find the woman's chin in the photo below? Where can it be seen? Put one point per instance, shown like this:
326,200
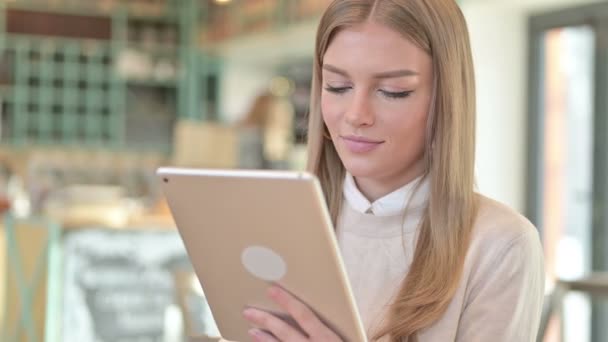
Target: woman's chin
366,170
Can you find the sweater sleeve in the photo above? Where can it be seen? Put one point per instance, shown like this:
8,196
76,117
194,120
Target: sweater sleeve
506,297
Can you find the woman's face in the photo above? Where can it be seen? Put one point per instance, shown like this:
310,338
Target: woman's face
377,88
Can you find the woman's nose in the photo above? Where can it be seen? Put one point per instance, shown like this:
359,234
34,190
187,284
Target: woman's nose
360,111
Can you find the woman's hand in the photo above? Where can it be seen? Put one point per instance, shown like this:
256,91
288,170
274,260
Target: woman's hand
313,328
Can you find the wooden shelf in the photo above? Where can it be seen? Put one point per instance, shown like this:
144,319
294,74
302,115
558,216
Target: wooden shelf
91,11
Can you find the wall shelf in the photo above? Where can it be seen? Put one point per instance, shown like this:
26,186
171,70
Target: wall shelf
70,91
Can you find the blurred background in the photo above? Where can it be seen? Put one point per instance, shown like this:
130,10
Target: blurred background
96,94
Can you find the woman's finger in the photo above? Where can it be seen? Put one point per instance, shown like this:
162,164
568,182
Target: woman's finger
301,313
279,328
258,335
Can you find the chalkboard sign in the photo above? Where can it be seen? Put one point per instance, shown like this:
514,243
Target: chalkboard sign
119,285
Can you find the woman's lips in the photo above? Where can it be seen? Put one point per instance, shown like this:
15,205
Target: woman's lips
360,144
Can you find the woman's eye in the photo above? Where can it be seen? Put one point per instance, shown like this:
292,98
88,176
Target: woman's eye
336,90
396,95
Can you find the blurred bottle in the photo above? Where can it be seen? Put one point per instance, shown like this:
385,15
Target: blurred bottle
5,203
18,197
174,324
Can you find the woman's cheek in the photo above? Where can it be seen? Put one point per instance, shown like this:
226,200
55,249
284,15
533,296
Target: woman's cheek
330,109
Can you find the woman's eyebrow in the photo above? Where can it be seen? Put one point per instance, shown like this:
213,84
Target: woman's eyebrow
384,74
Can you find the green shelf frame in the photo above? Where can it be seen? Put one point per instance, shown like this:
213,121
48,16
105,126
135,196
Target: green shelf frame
63,92
68,92
47,268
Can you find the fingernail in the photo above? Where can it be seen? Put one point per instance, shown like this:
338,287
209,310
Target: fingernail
255,334
248,313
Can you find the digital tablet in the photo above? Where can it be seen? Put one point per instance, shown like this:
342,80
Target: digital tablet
245,230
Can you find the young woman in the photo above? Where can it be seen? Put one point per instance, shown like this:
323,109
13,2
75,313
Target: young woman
392,140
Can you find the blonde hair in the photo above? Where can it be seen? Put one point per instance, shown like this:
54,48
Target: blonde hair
439,28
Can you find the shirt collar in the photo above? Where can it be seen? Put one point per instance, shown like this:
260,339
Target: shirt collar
392,204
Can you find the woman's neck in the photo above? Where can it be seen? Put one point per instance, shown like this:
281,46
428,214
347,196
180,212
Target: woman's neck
376,188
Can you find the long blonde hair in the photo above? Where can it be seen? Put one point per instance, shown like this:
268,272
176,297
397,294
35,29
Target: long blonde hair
439,28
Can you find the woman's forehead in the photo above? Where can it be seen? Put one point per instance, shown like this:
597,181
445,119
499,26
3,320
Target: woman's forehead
374,48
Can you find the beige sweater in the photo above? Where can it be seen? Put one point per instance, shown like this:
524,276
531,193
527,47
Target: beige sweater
501,291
